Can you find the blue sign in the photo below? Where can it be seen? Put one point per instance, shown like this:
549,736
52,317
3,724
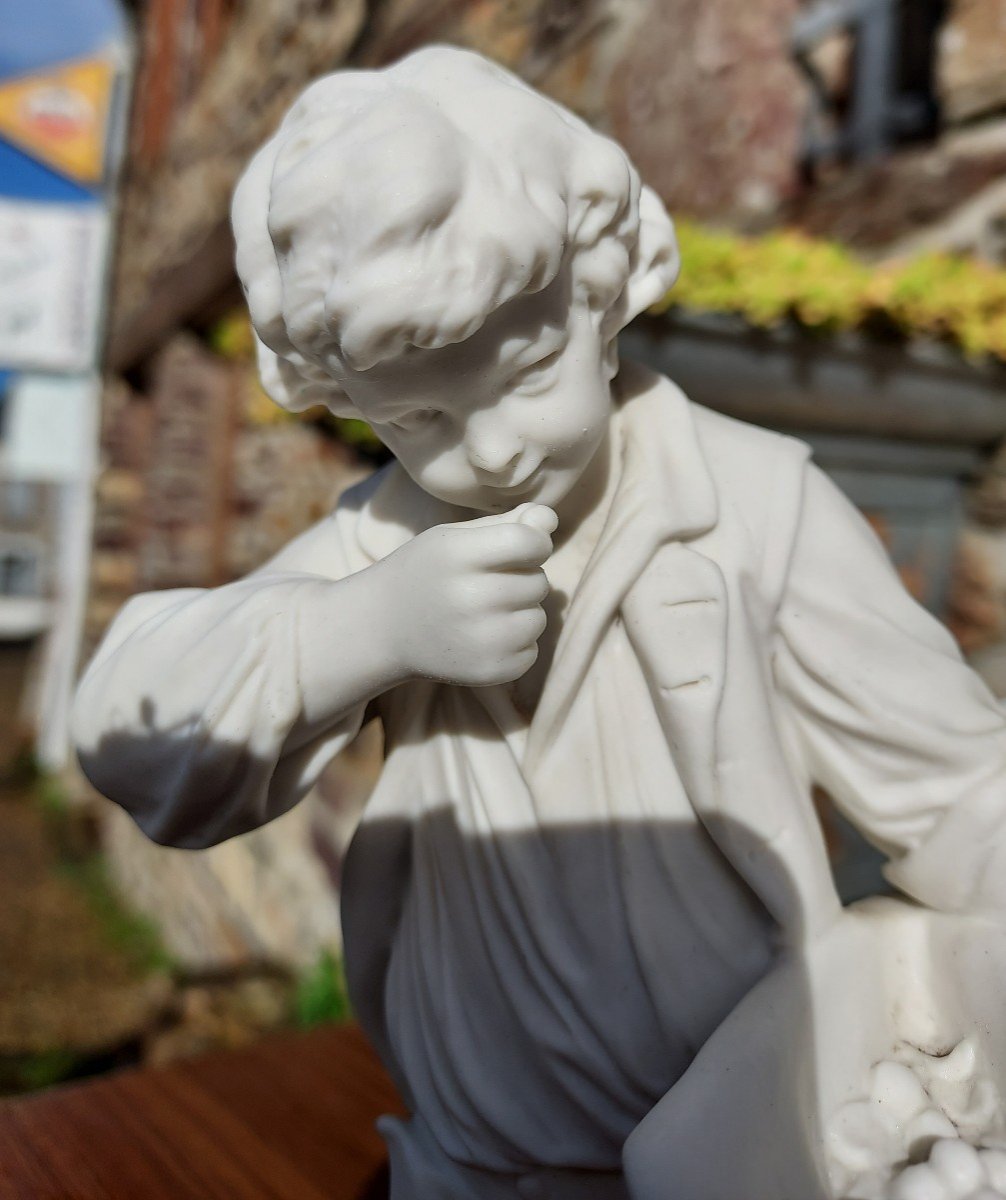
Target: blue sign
36,35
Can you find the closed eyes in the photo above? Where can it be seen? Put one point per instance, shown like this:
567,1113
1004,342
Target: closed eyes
531,380
412,422
537,376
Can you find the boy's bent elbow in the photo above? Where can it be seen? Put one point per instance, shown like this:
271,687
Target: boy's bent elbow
128,773
188,797
183,787
192,715
189,785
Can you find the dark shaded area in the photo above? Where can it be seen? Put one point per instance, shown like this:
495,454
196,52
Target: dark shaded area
15,663
379,1187
916,88
380,879
888,94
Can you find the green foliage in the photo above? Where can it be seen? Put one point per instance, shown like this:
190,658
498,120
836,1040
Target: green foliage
232,339
50,796
321,996
820,286
22,770
786,276
30,1072
134,936
358,434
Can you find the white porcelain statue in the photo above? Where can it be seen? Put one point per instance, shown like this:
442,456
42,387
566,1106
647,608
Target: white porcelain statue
613,639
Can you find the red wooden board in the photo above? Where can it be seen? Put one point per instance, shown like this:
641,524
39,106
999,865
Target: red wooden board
291,1118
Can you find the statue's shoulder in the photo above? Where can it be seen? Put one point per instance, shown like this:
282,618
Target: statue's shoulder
756,476
744,463
745,457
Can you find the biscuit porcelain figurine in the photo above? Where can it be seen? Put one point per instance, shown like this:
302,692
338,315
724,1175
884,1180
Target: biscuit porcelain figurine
613,639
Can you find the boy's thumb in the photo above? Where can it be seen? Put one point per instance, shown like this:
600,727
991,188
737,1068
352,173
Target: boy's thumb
538,516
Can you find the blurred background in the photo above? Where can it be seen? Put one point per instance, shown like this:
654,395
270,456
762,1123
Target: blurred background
838,171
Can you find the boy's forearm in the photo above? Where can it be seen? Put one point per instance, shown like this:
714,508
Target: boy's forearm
348,649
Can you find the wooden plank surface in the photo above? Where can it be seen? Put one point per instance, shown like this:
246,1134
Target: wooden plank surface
291,1118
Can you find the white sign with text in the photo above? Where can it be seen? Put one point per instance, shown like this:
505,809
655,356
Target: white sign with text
52,259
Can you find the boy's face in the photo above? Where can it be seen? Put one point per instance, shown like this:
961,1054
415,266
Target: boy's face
514,413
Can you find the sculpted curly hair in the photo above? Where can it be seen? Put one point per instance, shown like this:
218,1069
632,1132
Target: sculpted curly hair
399,208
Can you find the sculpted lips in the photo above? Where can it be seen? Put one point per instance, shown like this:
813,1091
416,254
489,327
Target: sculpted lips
523,484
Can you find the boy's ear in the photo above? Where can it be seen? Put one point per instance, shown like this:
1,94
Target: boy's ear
656,260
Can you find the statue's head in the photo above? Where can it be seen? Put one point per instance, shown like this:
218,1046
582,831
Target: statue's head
444,251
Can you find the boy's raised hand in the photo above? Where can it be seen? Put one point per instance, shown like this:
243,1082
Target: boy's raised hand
467,605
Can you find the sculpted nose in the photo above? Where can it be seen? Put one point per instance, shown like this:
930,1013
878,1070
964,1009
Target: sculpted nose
493,464
492,451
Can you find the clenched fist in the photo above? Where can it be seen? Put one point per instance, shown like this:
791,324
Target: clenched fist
467,605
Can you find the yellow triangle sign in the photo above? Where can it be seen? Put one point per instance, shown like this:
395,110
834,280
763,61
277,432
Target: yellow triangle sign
60,116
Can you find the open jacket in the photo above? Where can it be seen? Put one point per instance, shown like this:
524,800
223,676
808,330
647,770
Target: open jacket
779,646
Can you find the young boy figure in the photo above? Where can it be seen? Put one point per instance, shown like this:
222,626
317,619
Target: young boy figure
613,640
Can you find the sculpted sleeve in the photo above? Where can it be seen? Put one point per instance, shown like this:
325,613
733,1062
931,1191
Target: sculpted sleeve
193,714
885,714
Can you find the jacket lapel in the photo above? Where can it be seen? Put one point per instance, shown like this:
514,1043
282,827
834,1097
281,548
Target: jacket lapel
675,616
676,611
664,492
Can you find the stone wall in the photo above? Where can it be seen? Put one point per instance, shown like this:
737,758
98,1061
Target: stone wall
950,194
700,92
703,93
972,53
177,194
